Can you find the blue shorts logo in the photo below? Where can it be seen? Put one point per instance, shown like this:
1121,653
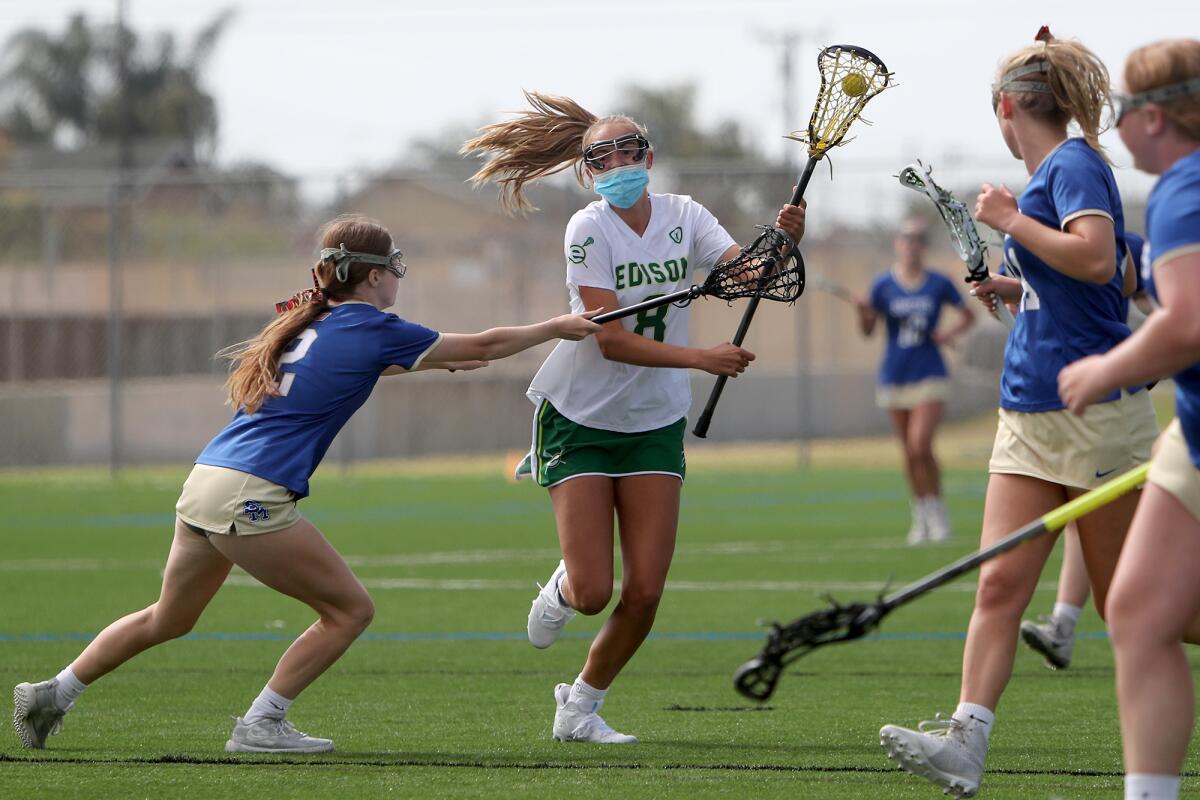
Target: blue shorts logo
255,511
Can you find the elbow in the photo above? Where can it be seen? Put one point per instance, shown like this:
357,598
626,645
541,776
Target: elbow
1100,271
608,347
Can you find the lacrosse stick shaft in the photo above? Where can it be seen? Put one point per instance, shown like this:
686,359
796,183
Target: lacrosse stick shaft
702,424
645,305
979,272
1055,520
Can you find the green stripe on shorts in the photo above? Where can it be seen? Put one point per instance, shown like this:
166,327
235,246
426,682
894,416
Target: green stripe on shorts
563,449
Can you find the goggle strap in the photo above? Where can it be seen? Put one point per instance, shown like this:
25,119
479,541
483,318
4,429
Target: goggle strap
1164,94
342,258
1009,83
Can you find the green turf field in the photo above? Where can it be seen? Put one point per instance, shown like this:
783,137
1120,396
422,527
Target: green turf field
443,697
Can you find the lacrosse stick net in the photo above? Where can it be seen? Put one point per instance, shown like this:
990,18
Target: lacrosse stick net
850,76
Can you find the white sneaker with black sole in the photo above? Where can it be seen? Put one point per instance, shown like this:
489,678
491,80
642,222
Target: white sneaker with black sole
549,615
36,717
273,736
943,751
575,724
1049,638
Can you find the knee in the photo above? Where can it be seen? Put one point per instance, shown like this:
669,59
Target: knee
919,450
1001,591
354,615
590,597
641,598
1128,623
166,626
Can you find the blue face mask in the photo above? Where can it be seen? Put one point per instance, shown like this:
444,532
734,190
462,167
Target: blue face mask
622,186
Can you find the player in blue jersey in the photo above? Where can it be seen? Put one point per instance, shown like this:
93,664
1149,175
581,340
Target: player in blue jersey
912,377
293,387
1064,242
1053,635
1155,597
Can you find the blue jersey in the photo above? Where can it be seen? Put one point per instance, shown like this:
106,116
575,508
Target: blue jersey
328,371
1173,228
1061,319
912,316
1136,246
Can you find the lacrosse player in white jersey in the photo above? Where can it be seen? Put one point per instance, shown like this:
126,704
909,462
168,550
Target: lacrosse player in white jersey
608,429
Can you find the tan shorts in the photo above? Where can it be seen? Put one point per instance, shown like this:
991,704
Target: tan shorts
222,500
911,395
1174,471
1082,452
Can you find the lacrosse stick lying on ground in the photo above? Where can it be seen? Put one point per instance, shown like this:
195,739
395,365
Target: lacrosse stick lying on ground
963,234
756,679
850,76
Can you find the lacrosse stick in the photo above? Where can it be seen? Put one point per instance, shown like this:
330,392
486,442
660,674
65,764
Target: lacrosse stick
963,235
818,281
760,270
850,76
756,679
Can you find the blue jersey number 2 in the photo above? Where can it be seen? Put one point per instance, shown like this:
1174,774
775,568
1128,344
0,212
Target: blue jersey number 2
300,348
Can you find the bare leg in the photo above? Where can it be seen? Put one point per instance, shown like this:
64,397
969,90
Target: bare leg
1073,585
195,571
1155,598
299,562
583,512
648,509
924,474
901,418
1006,583
1101,536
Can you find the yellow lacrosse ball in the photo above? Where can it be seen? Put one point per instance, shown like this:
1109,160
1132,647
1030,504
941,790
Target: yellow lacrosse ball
854,84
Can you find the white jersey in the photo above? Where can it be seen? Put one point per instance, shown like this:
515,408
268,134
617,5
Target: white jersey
603,252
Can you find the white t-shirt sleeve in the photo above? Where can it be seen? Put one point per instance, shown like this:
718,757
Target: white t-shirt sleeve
589,261
709,239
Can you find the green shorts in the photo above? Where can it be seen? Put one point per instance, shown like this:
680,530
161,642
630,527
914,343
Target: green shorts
563,450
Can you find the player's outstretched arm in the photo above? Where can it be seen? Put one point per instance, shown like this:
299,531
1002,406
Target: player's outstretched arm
503,342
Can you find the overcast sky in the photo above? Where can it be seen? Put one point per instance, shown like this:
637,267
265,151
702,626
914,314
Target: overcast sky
316,87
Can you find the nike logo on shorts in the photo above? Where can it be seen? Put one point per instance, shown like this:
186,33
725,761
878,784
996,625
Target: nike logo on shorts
1100,474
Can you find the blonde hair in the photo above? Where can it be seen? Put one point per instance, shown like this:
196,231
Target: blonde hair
534,144
1077,80
254,373
1162,64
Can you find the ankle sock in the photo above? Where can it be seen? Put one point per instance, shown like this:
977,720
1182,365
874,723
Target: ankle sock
69,687
585,695
1066,615
268,705
980,714
1144,786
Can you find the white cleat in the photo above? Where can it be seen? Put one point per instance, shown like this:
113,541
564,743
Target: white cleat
35,714
918,533
937,522
273,736
548,615
575,724
943,751
1048,638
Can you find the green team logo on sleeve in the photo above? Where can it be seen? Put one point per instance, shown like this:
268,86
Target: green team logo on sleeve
578,253
676,234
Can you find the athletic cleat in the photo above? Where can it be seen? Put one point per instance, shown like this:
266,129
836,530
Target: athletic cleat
1048,638
575,724
937,523
35,714
273,736
943,751
548,615
918,533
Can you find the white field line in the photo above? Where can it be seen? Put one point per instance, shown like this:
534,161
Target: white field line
484,584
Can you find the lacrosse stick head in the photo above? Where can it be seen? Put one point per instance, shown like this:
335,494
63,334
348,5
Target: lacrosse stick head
757,678
762,269
963,233
850,76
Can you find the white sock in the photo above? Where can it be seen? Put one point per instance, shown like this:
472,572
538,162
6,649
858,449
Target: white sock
558,591
982,715
268,705
586,696
1066,615
1143,786
69,687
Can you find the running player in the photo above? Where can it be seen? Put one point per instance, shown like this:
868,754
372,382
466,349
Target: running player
610,415
1064,241
1155,597
294,386
1053,635
912,378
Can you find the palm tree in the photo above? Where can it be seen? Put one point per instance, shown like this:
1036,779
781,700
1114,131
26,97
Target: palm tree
66,90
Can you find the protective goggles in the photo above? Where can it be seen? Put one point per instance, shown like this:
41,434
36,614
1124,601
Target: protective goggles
342,258
1125,103
631,144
